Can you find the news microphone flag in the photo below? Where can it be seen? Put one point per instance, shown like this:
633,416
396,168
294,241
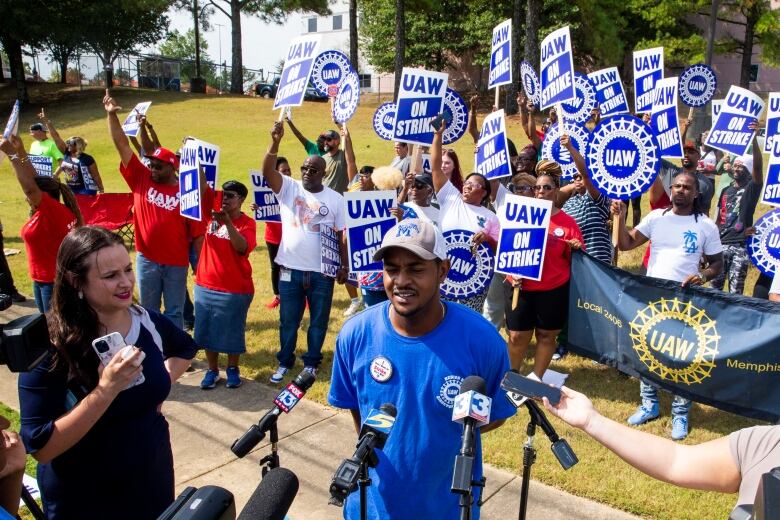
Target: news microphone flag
474,405
380,421
289,397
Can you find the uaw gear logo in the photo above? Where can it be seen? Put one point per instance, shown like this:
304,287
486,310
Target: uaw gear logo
384,119
530,82
347,99
329,68
622,157
676,341
552,149
697,85
470,268
449,391
584,102
764,246
456,109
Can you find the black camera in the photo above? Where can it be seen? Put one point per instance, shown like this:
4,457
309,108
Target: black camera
102,346
24,342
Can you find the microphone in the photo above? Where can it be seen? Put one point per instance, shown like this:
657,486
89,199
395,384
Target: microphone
472,409
284,402
273,496
373,435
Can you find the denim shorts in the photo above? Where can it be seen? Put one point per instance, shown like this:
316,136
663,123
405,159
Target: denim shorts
220,320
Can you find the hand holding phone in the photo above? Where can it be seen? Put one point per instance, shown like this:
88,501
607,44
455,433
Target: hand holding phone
106,347
515,383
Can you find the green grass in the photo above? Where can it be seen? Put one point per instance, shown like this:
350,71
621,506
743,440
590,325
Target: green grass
241,125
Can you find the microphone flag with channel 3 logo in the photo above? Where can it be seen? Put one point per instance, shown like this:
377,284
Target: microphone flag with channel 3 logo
715,348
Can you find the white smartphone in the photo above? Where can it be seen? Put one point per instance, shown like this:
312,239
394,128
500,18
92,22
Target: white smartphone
106,348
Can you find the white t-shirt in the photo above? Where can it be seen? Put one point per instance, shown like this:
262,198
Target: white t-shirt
302,213
678,243
456,214
428,213
775,287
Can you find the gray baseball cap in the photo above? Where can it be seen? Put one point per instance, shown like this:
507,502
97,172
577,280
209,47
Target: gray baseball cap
416,236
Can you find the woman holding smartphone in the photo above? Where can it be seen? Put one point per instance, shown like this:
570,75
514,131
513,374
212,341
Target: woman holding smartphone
103,449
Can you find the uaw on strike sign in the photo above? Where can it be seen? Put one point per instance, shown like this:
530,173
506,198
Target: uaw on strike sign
297,70
730,132
420,99
368,219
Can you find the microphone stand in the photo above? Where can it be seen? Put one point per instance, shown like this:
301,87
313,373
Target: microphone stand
560,449
363,482
271,460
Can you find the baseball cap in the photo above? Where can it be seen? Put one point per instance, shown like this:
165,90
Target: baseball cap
424,178
37,126
746,161
416,236
330,134
165,155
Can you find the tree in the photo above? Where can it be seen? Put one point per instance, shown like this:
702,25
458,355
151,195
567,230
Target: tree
353,34
65,37
182,46
400,46
267,10
20,25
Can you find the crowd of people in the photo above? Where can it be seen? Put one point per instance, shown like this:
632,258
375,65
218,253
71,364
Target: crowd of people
409,345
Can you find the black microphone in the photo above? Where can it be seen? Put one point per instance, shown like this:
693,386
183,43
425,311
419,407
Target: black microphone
472,409
373,435
284,402
273,497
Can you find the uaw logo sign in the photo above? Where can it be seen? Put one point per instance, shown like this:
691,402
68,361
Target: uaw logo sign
471,268
384,117
552,149
458,113
697,85
764,246
675,340
530,82
584,102
330,68
347,99
623,157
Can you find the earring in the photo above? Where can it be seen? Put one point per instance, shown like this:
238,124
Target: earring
81,295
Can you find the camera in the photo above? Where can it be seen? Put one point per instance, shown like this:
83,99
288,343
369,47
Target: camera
24,342
101,346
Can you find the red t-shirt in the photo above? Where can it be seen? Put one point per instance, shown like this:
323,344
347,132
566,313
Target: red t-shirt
273,232
161,234
220,267
663,202
42,236
557,258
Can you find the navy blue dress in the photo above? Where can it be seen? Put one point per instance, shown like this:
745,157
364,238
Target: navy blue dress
123,467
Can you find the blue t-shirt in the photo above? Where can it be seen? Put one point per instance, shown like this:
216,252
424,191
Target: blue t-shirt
5,515
415,467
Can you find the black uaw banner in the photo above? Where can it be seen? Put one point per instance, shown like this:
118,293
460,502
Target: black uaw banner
709,346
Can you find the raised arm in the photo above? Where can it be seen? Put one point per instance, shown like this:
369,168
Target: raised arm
121,143
349,153
657,190
684,130
148,144
273,177
579,162
439,179
13,147
627,240
530,127
758,158
296,132
53,132
472,128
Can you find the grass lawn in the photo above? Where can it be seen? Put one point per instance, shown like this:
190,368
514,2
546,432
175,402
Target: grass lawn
240,125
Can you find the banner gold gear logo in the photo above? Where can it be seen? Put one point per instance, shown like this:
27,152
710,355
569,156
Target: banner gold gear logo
644,324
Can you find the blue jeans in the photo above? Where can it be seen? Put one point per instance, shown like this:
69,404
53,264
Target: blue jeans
303,286
158,283
189,308
371,298
42,292
649,392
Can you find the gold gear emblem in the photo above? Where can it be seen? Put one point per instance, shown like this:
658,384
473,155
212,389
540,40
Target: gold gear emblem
707,338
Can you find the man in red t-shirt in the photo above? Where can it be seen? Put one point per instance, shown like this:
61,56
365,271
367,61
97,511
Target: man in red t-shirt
162,235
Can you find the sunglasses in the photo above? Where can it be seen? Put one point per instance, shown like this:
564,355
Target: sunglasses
473,185
577,177
229,195
522,189
309,170
545,187
156,165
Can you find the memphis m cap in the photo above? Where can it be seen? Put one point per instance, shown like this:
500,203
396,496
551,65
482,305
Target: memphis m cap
416,236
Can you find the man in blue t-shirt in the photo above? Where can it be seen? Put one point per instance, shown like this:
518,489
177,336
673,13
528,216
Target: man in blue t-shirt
414,351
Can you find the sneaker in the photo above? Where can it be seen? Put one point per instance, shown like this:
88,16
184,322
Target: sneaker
647,411
311,370
679,427
233,378
560,352
353,308
210,379
273,303
18,298
277,376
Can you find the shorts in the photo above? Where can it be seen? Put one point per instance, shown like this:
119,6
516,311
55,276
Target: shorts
220,320
546,310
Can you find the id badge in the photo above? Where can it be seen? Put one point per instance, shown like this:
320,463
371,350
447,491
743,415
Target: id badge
285,275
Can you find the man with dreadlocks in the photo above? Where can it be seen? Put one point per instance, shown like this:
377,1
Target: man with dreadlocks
682,236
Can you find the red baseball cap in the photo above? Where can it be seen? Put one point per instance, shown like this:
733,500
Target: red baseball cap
165,155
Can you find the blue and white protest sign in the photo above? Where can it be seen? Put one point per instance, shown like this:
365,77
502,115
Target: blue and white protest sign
189,181
552,149
426,163
697,85
368,219
297,71
664,120
42,164
457,112
208,157
530,81
771,193
131,125
764,247
384,119
730,132
420,99
622,158
772,120
492,157
329,69
648,69
12,126
267,206
716,106
348,98
501,55
610,94
557,69
469,273
330,257
580,108
523,239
